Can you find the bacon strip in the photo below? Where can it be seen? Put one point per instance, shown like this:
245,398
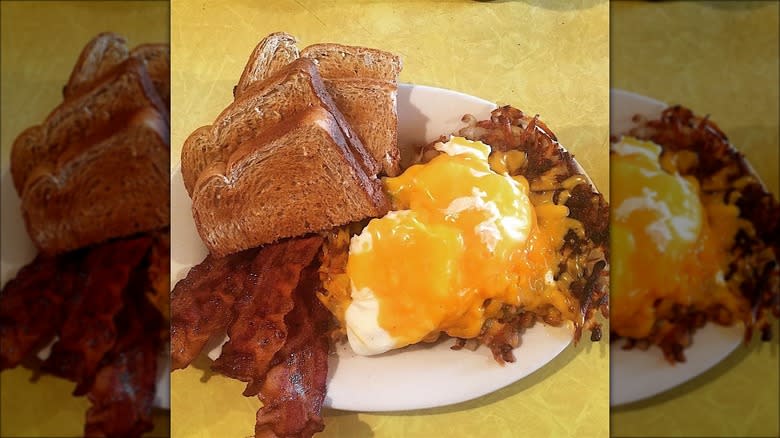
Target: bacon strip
89,332
200,304
159,276
258,329
44,285
295,386
123,391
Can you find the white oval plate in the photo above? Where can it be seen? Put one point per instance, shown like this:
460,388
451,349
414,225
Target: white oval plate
421,376
18,250
634,374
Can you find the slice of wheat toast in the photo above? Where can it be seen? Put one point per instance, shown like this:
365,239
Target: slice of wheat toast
124,90
364,83
99,56
296,178
272,54
369,105
116,187
337,61
295,88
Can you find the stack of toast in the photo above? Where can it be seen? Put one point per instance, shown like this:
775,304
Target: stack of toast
97,167
301,147
93,179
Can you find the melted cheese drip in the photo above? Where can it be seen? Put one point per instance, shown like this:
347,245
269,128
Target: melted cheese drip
461,234
668,246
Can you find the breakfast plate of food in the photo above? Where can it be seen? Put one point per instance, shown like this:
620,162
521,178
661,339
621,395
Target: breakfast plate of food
376,242
384,383
694,271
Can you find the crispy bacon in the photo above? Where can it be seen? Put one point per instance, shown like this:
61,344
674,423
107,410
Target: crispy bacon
89,331
46,285
123,391
295,386
95,300
258,329
201,303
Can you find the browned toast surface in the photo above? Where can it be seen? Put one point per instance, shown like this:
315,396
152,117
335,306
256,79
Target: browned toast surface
97,168
270,56
99,56
352,62
124,90
369,105
117,187
364,83
296,178
295,88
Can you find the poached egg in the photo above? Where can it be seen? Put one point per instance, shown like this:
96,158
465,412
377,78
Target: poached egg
669,243
460,236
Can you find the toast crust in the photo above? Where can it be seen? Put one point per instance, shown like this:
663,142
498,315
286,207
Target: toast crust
107,50
158,63
270,56
100,55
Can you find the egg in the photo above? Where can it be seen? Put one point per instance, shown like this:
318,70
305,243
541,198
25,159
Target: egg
668,246
459,234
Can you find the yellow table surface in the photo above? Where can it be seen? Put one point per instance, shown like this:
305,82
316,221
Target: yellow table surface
550,61
720,59
40,44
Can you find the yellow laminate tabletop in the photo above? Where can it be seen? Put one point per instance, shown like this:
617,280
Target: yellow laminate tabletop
40,44
717,58
550,60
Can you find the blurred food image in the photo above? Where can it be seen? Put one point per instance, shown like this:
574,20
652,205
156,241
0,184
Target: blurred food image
93,186
694,157
695,236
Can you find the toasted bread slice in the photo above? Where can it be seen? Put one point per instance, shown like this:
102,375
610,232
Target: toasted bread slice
336,61
124,90
158,64
364,83
271,55
369,105
295,178
295,88
118,186
99,56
